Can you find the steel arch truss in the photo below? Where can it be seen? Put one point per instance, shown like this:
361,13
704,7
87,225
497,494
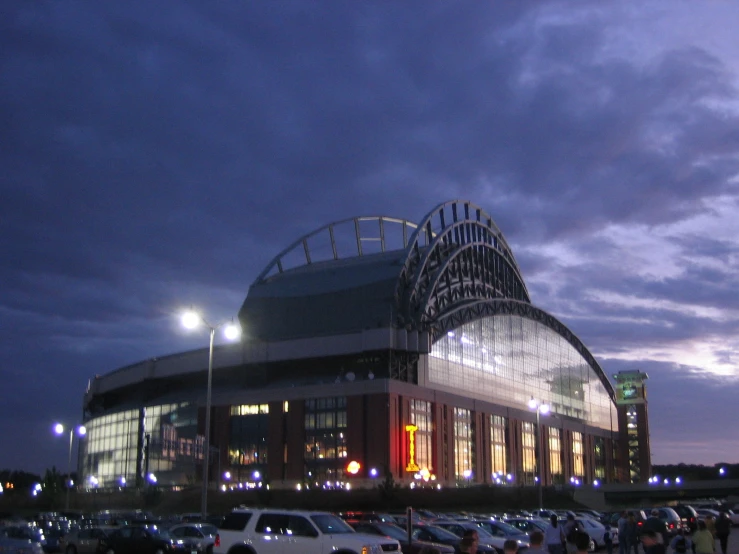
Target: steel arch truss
479,310
467,261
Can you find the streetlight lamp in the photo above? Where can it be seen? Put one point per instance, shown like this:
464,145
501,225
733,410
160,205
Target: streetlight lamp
80,431
539,408
192,320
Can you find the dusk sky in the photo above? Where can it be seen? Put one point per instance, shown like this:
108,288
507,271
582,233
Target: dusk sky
156,155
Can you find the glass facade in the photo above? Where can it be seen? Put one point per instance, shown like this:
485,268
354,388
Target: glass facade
507,359
248,437
599,457
124,448
325,440
420,414
463,444
555,455
528,452
578,460
498,449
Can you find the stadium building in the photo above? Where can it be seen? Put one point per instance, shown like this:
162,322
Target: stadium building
411,349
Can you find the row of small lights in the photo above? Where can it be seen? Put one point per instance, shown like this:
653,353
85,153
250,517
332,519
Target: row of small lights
655,480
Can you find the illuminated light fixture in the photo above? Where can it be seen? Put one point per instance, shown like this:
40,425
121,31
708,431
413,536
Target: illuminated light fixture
227,476
299,487
256,475
373,472
352,467
190,319
678,480
596,483
450,333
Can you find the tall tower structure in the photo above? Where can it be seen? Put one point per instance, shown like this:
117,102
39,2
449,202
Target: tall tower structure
635,458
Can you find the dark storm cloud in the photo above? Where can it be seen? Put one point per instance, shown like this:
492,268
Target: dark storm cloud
159,154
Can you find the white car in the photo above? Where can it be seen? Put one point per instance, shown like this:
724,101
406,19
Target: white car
202,534
596,530
275,531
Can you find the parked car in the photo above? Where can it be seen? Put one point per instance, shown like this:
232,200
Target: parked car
432,533
459,528
401,535
589,513
25,532
366,517
19,546
84,541
706,512
202,534
688,515
502,530
527,524
595,530
140,539
671,518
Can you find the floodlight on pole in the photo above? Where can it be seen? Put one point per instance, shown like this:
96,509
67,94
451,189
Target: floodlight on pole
539,408
80,431
192,320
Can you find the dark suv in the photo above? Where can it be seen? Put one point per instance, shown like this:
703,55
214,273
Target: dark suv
688,515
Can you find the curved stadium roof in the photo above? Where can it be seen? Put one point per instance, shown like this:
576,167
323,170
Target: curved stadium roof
384,271
452,267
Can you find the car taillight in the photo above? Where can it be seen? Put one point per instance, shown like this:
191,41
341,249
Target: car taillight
639,524
218,540
672,525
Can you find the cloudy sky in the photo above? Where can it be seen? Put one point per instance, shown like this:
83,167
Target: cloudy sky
157,154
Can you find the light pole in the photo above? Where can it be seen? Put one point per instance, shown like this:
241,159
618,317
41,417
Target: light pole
59,429
191,320
539,408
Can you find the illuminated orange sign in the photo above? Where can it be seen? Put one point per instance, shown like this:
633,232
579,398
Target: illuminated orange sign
412,465
353,467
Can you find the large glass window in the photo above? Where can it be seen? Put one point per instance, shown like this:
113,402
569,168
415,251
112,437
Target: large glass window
555,455
599,457
507,359
249,409
420,413
325,440
528,450
463,444
120,449
577,454
498,449
248,432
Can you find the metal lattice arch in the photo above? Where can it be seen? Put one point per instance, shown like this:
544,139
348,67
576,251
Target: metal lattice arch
453,267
